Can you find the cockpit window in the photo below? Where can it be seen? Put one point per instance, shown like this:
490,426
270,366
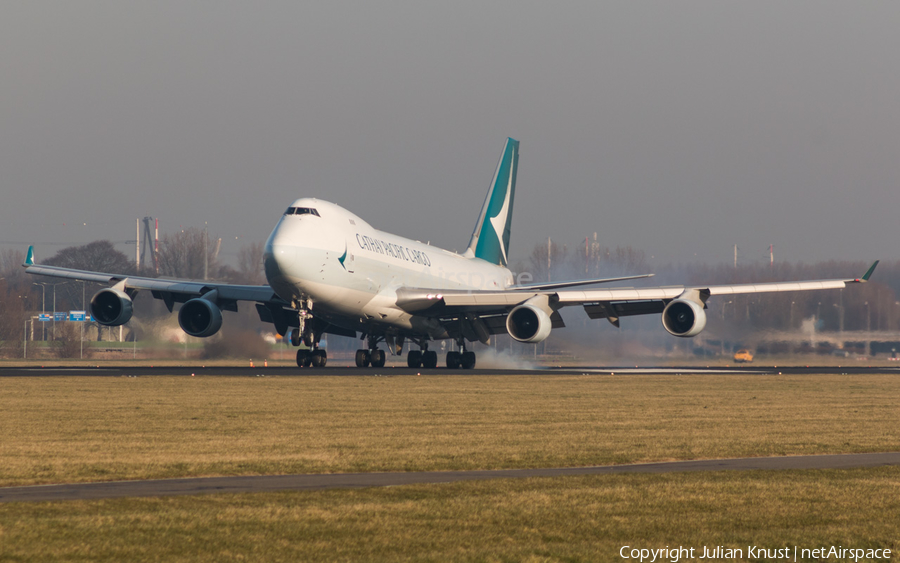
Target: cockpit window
302,211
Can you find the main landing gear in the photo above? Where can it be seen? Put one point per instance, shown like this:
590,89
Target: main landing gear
464,359
373,356
424,358
428,359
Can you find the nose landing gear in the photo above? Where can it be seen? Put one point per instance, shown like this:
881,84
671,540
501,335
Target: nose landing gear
315,356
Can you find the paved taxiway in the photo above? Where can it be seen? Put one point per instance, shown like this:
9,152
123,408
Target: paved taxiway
340,370
314,482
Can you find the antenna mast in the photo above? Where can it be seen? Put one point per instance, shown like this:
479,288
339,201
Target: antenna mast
147,245
548,258
137,245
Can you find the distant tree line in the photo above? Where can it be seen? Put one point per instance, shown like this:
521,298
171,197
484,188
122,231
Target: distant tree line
873,305
187,253
180,255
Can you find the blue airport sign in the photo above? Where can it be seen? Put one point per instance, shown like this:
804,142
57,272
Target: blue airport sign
61,316
45,318
77,316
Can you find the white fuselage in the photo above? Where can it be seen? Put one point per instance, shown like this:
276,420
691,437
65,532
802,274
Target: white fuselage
350,272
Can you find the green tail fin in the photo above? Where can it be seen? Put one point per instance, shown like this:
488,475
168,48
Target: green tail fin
490,240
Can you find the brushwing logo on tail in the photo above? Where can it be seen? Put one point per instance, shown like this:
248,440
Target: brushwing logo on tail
500,221
490,241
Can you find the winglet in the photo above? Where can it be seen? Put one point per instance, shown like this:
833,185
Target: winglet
869,272
29,259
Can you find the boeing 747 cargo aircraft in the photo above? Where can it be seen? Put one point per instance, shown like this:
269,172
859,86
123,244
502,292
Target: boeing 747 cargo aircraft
330,272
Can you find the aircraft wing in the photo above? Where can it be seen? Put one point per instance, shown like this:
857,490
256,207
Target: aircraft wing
672,292
270,307
176,288
414,300
492,306
560,285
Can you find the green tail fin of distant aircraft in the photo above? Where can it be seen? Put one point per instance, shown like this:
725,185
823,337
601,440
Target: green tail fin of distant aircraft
29,258
490,240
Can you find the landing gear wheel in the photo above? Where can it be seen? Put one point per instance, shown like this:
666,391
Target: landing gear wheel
453,360
414,358
468,360
304,358
429,359
319,358
377,358
362,358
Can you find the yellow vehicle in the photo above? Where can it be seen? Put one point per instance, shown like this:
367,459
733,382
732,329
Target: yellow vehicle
743,355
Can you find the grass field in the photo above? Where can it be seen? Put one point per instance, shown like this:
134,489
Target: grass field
87,429
566,519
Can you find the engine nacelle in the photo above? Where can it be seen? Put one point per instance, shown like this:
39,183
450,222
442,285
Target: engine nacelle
528,323
200,317
111,307
684,318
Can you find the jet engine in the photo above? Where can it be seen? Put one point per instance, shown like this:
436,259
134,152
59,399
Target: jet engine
529,322
111,307
683,317
200,317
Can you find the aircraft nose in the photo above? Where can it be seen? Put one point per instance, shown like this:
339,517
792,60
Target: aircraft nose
278,255
271,262
277,260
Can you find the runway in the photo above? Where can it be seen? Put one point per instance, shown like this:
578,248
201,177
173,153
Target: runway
318,482
344,371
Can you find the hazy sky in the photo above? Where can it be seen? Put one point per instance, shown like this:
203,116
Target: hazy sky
680,128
